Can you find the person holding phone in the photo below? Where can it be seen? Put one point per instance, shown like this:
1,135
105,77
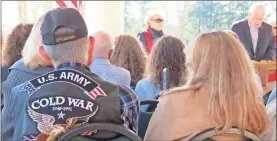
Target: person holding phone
155,24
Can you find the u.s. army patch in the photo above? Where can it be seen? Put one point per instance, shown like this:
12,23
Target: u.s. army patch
91,88
59,112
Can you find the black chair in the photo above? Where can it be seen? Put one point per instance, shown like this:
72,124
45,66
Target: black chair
152,104
73,134
266,96
207,134
144,117
2,101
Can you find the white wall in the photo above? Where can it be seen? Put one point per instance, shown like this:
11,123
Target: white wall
108,15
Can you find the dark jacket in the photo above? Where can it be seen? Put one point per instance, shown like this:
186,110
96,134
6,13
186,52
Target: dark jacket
18,74
265,46
155,34
49,102
4,74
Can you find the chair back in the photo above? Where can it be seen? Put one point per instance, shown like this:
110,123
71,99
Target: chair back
212,132
73,134
144,117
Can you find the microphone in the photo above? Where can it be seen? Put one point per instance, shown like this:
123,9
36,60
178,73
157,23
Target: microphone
165,79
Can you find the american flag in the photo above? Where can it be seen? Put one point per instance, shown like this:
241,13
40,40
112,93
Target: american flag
30,88
70,4
95,92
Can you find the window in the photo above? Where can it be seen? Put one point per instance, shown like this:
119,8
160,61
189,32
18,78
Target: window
186,19
15,12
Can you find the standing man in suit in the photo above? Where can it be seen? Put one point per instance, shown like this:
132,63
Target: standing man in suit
255,34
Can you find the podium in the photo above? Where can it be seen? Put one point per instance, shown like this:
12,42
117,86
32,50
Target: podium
267,72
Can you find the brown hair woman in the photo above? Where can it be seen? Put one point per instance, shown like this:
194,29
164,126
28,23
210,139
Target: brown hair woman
129,54
168,52
11,52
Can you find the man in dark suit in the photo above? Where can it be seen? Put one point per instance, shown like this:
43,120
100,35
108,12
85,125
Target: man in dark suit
255,34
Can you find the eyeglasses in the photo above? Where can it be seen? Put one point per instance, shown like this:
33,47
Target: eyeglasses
159,20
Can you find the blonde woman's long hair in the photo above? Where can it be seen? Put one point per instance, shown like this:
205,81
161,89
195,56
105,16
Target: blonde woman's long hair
220,64
30,52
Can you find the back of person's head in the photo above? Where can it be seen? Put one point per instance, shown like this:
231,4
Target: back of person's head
103,44
129,54
232,33
220,64
64,36
168,52
15,43
30,53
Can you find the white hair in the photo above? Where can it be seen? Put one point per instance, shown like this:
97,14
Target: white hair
72,51
255,6
75,51
103,43
30,53
152,13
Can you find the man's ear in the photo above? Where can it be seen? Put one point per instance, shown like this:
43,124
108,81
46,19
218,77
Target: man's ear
43,53
90,50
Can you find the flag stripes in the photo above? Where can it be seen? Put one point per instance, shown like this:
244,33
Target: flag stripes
70,4
95,92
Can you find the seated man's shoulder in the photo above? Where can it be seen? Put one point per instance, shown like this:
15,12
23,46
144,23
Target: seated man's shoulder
145,81
18,64
125,91
121,71
21,89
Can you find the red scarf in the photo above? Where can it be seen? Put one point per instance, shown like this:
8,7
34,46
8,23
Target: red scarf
149,40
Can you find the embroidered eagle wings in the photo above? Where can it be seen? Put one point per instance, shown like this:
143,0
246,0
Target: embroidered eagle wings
45,122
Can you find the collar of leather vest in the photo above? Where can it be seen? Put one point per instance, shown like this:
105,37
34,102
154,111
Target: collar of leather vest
73,65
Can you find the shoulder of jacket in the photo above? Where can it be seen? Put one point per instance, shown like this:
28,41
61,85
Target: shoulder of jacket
141,33
124,90
266,25
237,23
122,70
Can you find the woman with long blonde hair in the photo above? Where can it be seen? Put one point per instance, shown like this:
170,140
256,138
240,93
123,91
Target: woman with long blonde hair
221,92
31,65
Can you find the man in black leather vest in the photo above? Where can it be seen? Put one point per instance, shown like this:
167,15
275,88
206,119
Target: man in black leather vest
53,103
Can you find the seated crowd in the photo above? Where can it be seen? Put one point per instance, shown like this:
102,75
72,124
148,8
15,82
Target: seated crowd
61,77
